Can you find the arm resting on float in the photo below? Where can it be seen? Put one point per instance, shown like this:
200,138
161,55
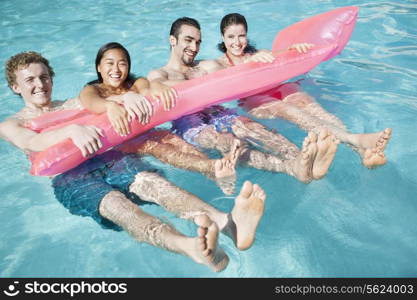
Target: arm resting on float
28,140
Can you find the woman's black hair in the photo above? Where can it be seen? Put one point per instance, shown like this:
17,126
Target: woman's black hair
234,19
103,49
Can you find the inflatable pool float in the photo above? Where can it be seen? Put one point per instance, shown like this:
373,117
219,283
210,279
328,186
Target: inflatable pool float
329,32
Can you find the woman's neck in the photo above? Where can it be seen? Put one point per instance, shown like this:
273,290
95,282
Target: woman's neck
234,59
108,90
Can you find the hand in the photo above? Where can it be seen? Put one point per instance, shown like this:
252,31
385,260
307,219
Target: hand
137,105
86,138
163,93
301,47
262,56
118,118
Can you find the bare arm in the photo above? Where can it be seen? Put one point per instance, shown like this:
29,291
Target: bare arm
161,88
267,57
86,138
91,100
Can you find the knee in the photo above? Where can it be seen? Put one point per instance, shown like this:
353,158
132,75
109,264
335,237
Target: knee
146,177
300,99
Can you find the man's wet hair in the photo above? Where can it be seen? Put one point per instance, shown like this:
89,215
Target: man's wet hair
21,61
176,26
234,19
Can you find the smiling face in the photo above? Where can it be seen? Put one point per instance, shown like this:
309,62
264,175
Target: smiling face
113,68
235,39
34,84
187,45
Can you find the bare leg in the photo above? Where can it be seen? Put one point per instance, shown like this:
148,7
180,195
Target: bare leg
209,138
249,130
153,188
171,149
369,146
326,148
146,228
307,103
168,137
300,166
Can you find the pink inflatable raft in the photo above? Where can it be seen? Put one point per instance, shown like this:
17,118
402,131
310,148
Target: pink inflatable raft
329,32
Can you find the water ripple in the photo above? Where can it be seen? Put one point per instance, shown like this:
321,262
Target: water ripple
379,67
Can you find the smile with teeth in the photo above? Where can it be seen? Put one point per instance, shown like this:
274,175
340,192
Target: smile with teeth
115,76
39,93
190,53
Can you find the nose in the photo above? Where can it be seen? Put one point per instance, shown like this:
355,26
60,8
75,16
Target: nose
194,46
39,83
116,67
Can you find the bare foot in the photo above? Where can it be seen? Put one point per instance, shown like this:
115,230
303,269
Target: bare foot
327,146
224,169
245,216
371,158
303,164
371,147
206,251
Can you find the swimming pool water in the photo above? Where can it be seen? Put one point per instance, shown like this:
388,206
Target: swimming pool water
354,222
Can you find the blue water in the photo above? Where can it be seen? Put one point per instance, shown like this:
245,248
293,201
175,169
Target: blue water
354,222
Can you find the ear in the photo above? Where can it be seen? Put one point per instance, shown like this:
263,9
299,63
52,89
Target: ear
98,69
172,40
16,89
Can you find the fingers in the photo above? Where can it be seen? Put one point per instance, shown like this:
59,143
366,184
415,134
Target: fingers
147,109
148,105
87,139
133,111
120,125
139,107
168,98
301,47
264,57
97,132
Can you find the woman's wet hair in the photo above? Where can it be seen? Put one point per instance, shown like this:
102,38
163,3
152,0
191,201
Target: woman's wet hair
103,49
234,19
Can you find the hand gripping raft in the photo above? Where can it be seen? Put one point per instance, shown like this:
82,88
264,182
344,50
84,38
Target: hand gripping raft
329,32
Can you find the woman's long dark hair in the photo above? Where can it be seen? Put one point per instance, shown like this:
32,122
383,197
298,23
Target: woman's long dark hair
103,49
234,19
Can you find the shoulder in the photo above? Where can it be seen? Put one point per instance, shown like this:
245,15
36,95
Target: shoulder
222,60
72,103
210,65
90,88
139,84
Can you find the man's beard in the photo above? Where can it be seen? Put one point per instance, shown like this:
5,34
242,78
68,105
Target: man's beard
188,62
